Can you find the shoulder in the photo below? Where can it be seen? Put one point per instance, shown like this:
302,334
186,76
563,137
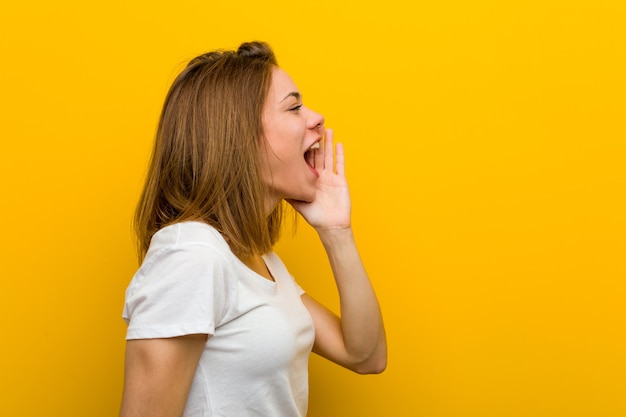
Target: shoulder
280,271
187,266
274,263
188,252
187,238
187,233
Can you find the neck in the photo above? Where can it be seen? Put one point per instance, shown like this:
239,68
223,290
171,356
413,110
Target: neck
271,203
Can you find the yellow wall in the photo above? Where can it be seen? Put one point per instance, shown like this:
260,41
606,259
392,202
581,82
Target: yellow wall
485,143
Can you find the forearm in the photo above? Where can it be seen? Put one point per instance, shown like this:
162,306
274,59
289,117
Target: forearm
362,327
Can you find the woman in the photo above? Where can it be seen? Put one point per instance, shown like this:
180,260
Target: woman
216,325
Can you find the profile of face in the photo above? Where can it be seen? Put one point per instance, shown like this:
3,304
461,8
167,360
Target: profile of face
292,133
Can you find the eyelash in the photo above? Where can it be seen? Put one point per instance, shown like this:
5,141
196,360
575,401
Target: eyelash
296,108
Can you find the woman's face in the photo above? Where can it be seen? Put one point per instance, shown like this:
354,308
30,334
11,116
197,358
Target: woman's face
290,131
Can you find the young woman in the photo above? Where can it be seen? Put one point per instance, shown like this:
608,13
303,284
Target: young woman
216,325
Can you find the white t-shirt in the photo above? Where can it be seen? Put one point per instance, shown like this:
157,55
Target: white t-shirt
255,362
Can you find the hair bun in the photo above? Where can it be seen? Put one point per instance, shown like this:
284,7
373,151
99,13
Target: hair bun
256,49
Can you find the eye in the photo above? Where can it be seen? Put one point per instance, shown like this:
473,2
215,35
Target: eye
296,107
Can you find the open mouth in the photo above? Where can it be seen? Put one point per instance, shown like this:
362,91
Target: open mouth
309,155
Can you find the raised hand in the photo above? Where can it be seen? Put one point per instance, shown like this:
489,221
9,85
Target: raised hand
356,338
330,211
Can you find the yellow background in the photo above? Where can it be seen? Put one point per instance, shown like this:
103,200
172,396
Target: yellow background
485,148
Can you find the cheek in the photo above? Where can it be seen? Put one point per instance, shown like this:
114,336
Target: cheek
284,141
275,140
276,164
282,151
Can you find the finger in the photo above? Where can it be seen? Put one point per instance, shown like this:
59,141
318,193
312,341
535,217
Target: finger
328,150
339,161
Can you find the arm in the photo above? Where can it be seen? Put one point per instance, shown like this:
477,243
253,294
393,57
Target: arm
357,339
158,374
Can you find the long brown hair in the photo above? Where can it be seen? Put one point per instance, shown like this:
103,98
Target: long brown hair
205,163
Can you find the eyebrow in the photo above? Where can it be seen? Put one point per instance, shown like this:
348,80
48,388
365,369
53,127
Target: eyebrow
295,94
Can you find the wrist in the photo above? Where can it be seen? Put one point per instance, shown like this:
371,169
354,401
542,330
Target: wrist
335,236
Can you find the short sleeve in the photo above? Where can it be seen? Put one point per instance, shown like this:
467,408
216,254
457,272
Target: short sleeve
181,290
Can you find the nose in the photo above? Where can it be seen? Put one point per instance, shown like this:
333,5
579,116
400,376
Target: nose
316,121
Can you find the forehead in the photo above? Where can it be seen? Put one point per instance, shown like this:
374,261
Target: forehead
281,85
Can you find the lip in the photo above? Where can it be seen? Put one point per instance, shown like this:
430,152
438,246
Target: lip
313,170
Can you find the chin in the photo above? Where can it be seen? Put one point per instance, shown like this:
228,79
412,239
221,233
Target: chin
305,198
301,199
309,197
305,193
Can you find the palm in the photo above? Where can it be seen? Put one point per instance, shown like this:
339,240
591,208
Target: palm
331,207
